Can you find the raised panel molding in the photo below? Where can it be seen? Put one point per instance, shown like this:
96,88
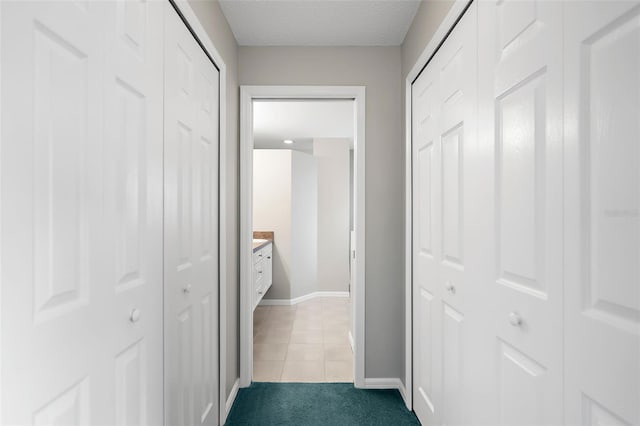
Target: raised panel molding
517,24
185,72
60,133
132,23
70,407
185,369
424,373
205,199
425,194
452,354
520,387
208,331
611,173
520,183
131,171
594,414
185,186
452,197
131,391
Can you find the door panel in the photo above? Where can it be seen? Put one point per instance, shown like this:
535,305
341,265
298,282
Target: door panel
602,187
444,102
191,229
81,213
521,143
426,247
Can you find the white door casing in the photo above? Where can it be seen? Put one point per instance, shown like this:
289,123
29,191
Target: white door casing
602,219
81,213
191,229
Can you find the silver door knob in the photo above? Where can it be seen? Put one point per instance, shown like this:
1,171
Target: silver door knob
515,319
186,288
450,287
134,315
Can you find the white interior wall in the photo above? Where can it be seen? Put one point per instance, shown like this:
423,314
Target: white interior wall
272,212
333,213
304,224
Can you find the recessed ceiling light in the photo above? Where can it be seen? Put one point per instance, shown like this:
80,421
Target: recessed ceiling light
288,141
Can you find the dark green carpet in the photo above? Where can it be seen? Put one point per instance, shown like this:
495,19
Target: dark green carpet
318,404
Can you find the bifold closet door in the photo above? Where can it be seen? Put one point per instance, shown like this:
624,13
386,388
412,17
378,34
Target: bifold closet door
191,229
602,213
444,139
81,165
521,142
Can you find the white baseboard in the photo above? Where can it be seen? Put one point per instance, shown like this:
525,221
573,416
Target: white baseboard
295,301
403,393
382,383
232,397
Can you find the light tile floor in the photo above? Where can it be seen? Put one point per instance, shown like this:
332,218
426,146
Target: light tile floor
307,342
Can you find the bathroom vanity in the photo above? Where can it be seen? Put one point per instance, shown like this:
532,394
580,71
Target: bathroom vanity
262,268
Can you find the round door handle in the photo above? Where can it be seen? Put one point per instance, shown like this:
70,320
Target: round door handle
450,287
515,319
134,315
268,257
259,272
187,288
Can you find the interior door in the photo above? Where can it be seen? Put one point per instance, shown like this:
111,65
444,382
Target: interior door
444,110
191,228
81,213
521,144
427,293
602,219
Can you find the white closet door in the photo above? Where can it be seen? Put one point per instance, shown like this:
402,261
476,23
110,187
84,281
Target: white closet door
81,219
191,229
602,219
427,294
520,64
444,99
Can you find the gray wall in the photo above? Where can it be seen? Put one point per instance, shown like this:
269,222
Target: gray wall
214,22
427,20
332,156
379,69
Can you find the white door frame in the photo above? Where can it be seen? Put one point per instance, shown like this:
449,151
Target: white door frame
447,24
209,47
247,95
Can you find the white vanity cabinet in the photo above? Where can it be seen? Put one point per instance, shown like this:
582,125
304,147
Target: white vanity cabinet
262,271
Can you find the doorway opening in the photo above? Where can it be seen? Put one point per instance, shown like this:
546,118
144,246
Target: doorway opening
302,234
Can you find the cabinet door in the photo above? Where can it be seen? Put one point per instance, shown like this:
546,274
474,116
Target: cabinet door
520,71
191,228
602,217
81,213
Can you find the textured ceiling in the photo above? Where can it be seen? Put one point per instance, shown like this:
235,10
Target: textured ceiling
319,22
